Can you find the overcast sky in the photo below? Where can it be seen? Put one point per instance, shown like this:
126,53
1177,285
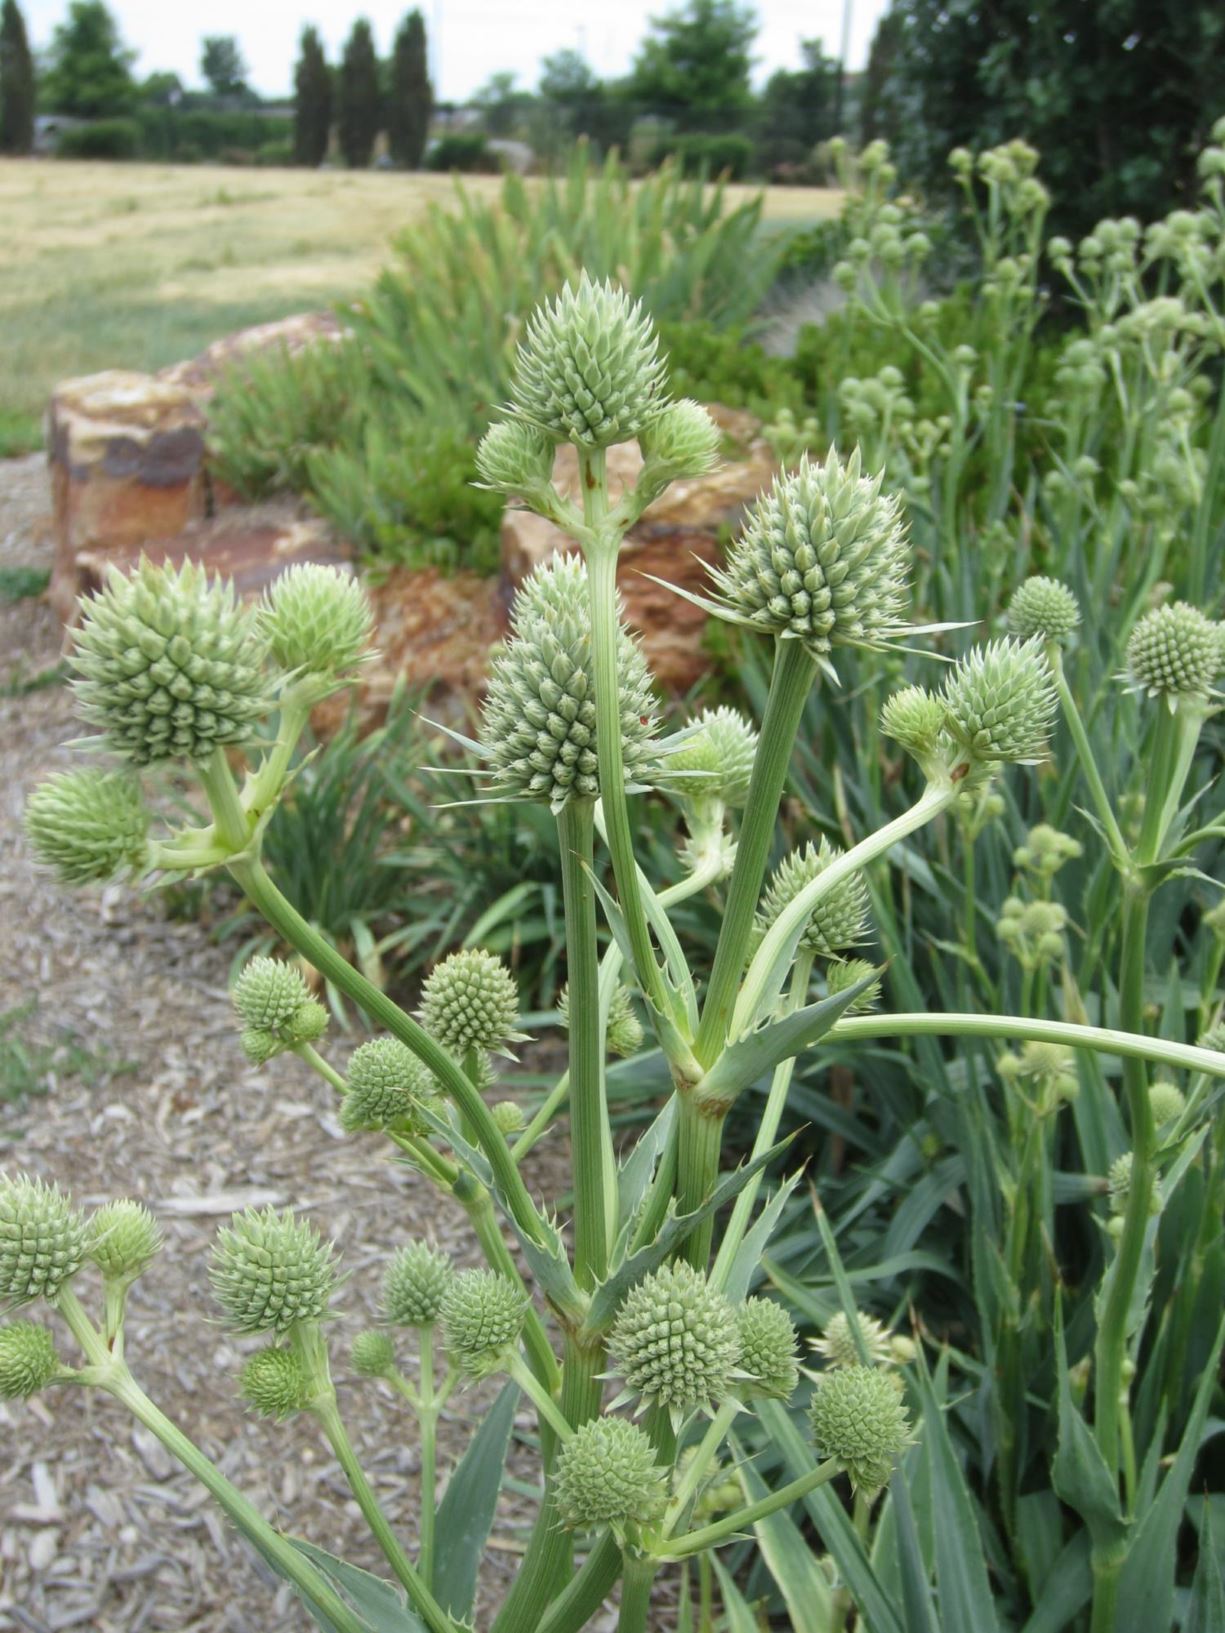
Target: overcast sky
471,39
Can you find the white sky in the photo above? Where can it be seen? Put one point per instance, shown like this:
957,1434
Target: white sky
471,38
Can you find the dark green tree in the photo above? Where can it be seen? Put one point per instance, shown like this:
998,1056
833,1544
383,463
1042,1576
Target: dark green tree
410,96
222,65
312,102
359,113
16,82
799,108
693,67
877,115
502,106
90,71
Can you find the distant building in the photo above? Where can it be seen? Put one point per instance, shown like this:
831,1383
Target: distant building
48,128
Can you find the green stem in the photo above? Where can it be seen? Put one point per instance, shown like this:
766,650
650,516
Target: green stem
790,684
710,1536
315,1060
699,1138
1102,807
583,1595
427,1417
217,780
636,1585
430,1611
478,1205
695,1472
539,1397
588,1112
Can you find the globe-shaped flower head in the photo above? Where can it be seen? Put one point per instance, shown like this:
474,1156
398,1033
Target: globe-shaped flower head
914,717
316,619
88,825
675,1340
42,1241
124,1238
1045,608
838,921
538,725
270,1271
274,1383
28,1361
607,1474
713,758
589,370
388,1086
823,559
514,457
482,1316
414,1285
859,1418
470,1001
275,1006
373,1354
169,665
1000,703
1174,654
767,1348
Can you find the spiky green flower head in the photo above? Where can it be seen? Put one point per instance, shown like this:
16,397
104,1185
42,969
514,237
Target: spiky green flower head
415,1284
509,1116
373,1354
607,1474
90,826
123,1239
42,1241
28,1361
712,758
538,724
470,1001
842,973
1000,703
680,441
1046,850
316,620
675,1340
1167,1100
838,1346
514,457
1044,1072
840,918
274,1383
169,664
823,559
482,1316
1032,931
1118,1183
624,1028
388,1087
767,1349
914,717
1043,609
278,1013
858,1417
589,370
1213,1038
270,1271
1174,655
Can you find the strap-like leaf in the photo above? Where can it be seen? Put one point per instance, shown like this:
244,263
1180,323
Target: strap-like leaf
376,1601
793,1565
466,1511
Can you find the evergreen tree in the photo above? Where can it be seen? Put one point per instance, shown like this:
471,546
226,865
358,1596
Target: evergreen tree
312,106
222,65
693,68
359,111
411,97
16,82
90,75
798,108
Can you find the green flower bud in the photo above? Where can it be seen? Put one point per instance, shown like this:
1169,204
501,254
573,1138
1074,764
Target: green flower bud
538,725
388,1085
270,1271
1000,702
470,1001
123,1238
89,826
914,718
712,758
1046,850
373,1354
607,1474
28,1361
316,619
1167,1100
859,1418
414,1285
624,1027
823,558
1119,1185
482,1316
767,1348
837,1343
839,919
588,371
514,457
274,1383
169,665
508,1115
681,441
276,1008
42,1241
1213,1038
1174,654
675,1340
1043,608
842,973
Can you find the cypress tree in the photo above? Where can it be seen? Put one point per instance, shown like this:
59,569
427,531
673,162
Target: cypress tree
412,97
16,82
358,114
312,109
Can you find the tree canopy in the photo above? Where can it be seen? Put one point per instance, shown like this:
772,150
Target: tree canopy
693,67
222,65
359,113
16,82
312,105
410,96
90,70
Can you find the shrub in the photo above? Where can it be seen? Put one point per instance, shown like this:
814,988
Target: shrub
465,151
103,139
707,155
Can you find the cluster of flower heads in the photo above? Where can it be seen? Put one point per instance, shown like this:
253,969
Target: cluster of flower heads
276,1009
857,1412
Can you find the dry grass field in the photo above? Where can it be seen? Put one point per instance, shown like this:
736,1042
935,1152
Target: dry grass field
136,266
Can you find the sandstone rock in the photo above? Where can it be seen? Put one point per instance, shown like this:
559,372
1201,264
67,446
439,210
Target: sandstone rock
434,631
294,334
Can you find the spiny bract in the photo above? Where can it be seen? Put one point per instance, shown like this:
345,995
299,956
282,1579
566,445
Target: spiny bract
270,1271
823,558
767,1348
859,1418
482,1316
88,825
675,1339
414,1284
169,665
28,1361
42,1240
273,1383
538,725
470,1001
1174,652
123,1239
840,917
388,1086
1000,702
1045,608
316,619
589,370
607,1474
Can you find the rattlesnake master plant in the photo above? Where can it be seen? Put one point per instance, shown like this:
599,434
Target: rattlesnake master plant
631,1328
